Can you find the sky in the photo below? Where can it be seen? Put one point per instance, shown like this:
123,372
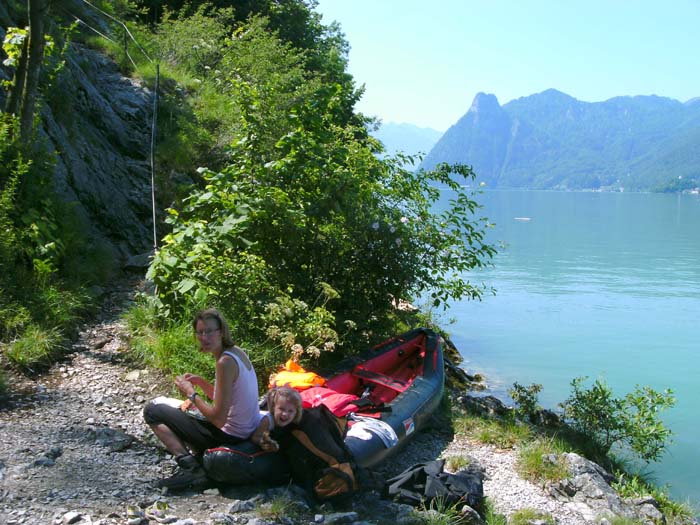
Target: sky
423,62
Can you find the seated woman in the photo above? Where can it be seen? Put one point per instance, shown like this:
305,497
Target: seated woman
231,415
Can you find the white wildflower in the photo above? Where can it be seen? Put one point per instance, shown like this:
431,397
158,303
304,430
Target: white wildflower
375,226
297,350
398,242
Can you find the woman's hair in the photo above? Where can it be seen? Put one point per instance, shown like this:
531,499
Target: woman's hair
213,313
290,395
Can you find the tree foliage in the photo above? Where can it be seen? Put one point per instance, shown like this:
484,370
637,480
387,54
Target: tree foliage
306,219
633,421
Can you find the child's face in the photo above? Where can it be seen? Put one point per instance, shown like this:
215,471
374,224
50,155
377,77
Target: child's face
284,413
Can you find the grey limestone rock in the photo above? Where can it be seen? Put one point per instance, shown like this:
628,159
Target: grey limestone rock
588,490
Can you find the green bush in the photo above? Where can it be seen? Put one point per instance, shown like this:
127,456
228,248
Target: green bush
525,399
632,422
325,211
304,236
40,246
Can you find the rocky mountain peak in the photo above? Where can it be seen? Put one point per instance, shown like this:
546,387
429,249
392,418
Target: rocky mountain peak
484,103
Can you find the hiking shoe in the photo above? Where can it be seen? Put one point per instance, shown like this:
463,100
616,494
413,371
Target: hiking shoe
187,461
157,512
134,515
195,479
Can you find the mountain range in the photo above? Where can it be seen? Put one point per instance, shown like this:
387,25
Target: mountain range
551,140
406,138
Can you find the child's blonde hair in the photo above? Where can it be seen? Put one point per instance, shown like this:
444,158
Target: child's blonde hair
288,394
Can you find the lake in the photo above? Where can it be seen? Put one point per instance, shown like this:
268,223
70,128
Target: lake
604,285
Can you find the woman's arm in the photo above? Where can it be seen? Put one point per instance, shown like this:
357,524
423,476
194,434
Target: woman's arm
226,374
202,383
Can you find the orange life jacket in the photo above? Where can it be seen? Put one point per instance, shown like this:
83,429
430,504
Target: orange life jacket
294,376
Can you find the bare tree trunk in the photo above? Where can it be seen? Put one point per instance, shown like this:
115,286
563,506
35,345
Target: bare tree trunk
15,96
37,13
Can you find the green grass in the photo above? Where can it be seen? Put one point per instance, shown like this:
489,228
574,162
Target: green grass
621,520
491,516
527,516
438,512
503,434
13,318
170,348
536,449
48,305
3,383
61,307
36,348
635,486
279,507
456,463
541,460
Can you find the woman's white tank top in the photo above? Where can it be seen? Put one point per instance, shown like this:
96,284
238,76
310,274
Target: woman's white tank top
243,414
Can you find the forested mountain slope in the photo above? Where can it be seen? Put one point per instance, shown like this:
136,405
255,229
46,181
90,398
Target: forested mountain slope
553,141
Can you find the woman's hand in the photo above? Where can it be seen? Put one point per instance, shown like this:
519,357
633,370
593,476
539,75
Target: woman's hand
184,385
198,381
194,379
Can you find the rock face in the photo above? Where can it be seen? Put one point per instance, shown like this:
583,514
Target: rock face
100,130
97,124
587,490
479,138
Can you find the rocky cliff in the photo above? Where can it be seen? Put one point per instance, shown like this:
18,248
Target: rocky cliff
97,124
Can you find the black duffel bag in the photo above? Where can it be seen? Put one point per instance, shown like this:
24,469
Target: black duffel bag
245,464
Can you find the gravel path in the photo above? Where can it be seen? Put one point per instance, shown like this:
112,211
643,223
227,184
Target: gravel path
74,447
506,489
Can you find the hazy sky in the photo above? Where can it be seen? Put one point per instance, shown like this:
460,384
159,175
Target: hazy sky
422,62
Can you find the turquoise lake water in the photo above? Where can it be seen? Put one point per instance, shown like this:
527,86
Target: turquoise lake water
604,285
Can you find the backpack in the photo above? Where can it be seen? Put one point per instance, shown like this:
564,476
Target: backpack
423,483
244,464
318,458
